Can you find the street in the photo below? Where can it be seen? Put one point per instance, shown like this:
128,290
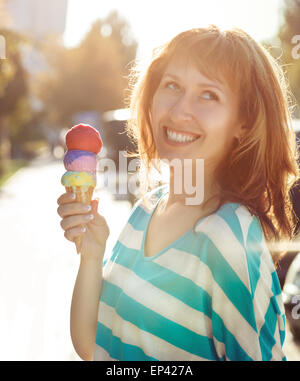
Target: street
39,266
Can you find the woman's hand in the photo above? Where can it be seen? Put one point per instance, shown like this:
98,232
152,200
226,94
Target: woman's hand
75,216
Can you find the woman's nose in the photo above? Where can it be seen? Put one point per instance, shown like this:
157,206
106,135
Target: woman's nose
182,110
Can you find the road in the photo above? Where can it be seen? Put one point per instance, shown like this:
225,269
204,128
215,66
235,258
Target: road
39,266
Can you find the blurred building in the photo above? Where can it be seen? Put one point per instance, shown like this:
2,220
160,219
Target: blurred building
37,18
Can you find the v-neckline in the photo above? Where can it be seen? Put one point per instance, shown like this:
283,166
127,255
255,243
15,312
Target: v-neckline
147,223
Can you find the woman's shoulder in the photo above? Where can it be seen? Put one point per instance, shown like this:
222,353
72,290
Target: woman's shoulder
234,218
234,237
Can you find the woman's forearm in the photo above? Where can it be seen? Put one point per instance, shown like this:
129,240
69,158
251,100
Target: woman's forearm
84,307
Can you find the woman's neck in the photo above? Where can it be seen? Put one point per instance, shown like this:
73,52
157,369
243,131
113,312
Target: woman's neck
182,195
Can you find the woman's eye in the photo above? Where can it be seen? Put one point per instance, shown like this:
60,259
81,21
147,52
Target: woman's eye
212,95
171,86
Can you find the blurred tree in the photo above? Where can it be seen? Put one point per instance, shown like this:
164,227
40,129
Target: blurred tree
91,76
291,27
120,31
13,89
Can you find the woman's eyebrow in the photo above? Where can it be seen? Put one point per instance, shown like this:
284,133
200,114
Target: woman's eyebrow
202,84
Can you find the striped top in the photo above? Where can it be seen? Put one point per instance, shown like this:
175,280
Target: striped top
212,294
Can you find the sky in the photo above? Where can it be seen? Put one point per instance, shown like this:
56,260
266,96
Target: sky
155,22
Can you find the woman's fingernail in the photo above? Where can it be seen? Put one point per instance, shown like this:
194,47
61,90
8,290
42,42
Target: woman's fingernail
83,229
88,207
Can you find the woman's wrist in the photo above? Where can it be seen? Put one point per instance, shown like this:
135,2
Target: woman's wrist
94,260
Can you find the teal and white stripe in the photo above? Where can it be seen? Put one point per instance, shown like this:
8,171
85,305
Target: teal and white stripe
212,294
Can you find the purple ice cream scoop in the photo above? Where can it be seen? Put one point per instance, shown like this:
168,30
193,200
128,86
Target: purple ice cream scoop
80,161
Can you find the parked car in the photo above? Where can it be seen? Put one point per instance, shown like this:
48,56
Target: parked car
291,296
117,140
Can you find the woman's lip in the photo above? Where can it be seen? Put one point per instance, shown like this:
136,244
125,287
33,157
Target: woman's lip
182,132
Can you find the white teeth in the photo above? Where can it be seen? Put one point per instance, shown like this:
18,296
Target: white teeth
180,137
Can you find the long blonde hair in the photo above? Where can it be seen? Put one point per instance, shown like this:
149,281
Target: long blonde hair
260,170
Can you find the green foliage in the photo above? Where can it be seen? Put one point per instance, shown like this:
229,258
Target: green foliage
13,167
22,123
91,76
13,91
13,81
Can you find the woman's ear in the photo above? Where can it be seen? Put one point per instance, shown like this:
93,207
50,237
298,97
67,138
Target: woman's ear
240,133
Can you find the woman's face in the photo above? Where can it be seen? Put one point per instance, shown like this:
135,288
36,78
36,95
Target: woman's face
192,116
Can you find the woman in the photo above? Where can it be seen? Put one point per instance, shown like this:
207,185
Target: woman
191,277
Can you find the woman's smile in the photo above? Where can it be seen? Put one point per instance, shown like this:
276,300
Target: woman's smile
179,138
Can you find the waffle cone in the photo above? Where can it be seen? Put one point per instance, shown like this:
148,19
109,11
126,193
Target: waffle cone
85,198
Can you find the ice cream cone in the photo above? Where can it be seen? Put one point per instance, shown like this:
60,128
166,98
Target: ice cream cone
81,196
83,144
